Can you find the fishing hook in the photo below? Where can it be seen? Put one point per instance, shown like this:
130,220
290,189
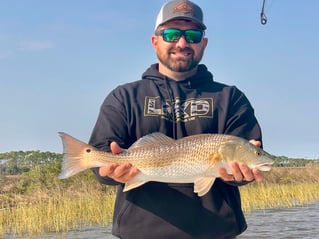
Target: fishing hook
263,18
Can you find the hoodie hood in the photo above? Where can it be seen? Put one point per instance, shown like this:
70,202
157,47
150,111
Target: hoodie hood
200,79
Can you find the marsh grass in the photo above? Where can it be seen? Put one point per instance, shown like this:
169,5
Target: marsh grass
81,202
283,188
264,196
59,213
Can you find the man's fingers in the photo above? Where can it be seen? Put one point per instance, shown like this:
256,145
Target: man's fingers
240,172
238,176
246,172
258,175
225,176
119,172
124,172
255,142
107,170
115,148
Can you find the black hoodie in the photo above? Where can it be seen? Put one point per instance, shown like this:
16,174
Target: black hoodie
178,109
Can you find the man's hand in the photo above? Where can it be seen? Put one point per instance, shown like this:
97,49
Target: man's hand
241,172
118,172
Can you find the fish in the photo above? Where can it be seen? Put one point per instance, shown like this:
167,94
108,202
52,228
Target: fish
192,159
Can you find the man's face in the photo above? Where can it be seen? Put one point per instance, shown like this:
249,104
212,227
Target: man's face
179,56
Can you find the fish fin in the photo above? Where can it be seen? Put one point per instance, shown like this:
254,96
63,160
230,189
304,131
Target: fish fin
151,139
74,152
214,160
203,184
133,183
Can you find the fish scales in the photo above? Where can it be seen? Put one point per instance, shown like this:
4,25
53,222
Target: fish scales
177,158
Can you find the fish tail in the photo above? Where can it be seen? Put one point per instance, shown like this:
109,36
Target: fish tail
74,160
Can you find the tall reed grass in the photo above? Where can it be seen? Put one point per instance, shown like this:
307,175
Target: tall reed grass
263,196
283,188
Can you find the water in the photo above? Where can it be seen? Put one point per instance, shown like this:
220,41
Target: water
299,222
294,223
97,232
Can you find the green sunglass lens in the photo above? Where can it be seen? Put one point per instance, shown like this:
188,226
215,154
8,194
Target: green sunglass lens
172,35
193,36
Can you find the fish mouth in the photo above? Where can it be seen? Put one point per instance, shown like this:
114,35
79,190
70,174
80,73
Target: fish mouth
264,166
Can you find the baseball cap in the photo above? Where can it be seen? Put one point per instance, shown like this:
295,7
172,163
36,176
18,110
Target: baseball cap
180,9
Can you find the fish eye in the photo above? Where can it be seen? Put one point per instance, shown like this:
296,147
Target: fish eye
258,153
88,150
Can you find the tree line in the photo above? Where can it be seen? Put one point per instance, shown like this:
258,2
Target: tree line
18,162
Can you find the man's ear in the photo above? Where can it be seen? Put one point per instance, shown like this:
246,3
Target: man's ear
154,40
205,41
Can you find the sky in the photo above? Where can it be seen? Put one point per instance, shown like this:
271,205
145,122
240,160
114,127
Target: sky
59,59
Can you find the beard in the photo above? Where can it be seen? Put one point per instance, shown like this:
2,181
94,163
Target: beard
185,61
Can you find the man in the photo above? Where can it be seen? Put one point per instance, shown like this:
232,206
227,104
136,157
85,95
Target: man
178,97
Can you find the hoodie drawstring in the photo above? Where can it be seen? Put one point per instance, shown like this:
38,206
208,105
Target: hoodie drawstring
169,93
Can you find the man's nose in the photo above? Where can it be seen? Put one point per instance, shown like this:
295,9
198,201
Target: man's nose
182,43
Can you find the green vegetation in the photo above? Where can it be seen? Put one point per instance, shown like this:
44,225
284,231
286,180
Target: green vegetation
17,162
34,201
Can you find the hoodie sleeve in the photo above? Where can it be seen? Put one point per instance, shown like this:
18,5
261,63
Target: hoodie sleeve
241,120
110,126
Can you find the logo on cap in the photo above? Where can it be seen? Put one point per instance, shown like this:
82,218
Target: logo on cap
183,8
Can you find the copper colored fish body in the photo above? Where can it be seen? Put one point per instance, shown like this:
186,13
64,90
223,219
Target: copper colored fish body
193,159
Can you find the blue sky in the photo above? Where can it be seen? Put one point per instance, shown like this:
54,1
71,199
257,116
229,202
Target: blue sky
59,59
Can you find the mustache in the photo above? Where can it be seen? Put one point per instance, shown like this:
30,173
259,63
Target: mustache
183,50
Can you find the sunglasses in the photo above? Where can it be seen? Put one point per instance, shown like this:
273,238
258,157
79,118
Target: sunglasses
173,35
